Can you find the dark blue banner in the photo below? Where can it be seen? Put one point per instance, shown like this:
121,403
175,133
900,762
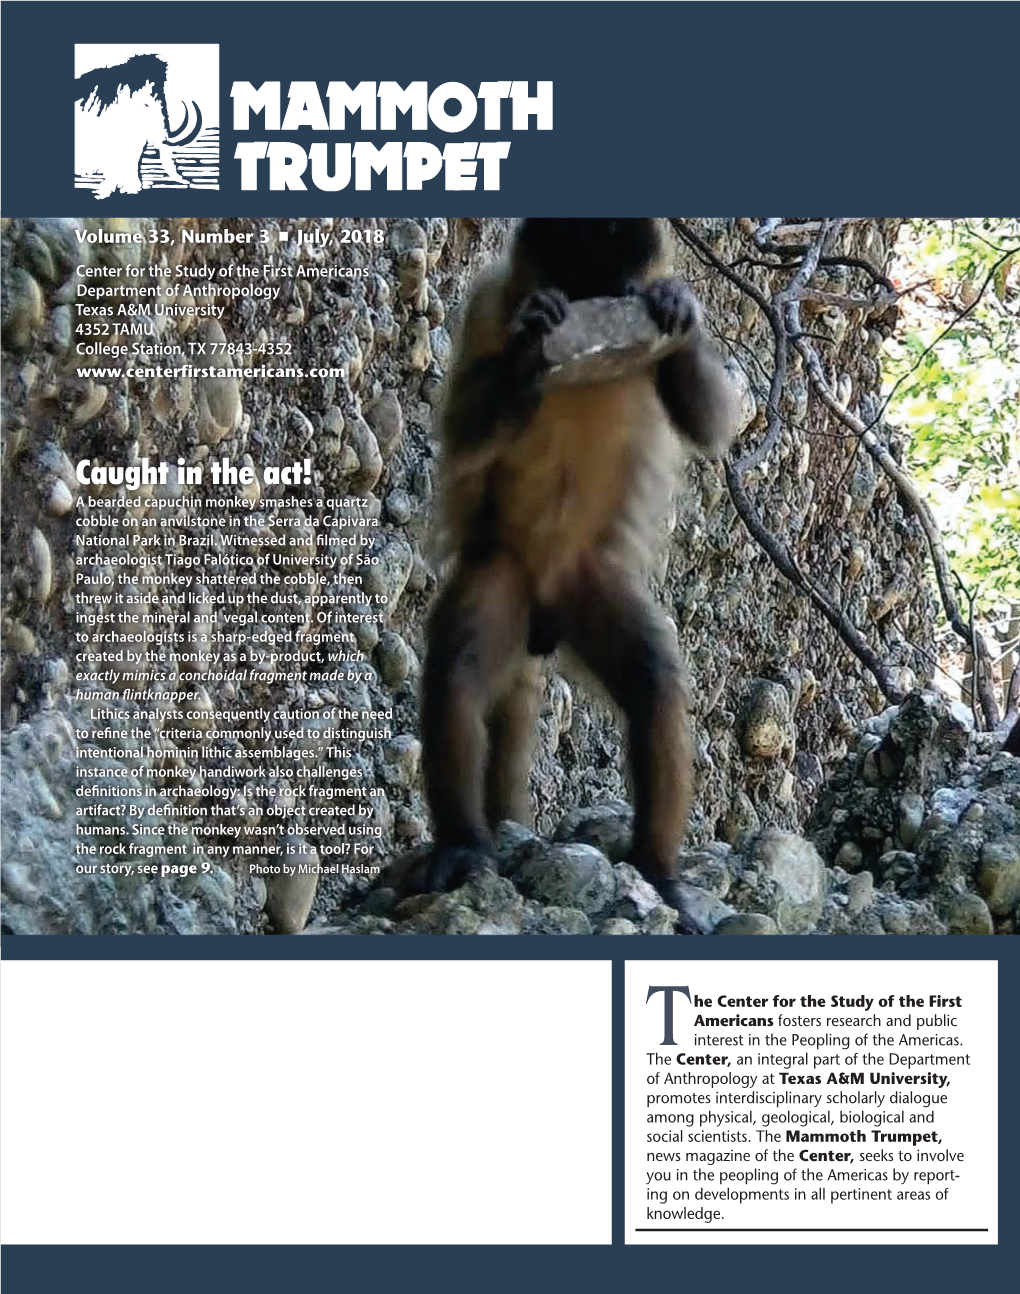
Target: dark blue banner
303,109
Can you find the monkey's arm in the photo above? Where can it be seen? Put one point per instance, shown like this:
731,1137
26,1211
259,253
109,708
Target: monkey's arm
691,382
496,383
476,404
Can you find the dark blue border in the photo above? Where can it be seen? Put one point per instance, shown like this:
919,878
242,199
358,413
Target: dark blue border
507,1269
695,106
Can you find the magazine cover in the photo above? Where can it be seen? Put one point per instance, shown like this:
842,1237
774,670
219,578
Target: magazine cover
434,570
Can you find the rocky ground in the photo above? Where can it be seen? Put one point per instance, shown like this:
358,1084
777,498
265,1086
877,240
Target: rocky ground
918,832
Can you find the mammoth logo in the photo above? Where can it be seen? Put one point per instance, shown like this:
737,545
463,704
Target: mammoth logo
124,138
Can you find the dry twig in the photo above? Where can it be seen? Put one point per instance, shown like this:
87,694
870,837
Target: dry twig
782,313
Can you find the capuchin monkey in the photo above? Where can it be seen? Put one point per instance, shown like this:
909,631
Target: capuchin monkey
552,503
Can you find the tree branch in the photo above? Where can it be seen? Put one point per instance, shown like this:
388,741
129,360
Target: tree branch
851,262
786,563
873,305
774,425
943,334
1013,693
782,314
919,507
975,660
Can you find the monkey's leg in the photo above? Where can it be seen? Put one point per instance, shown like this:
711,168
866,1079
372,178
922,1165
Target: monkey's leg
476,638
511,741
622,636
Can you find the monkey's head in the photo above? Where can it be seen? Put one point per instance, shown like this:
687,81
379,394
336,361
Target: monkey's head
590,258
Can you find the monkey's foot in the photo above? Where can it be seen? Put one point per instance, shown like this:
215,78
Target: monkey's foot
448,867
671,305
669,892
668,889
444,867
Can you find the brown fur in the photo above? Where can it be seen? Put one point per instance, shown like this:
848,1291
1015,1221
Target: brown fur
593,468
550,519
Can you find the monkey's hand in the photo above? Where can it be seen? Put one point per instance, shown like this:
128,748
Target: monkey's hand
673,307
536,317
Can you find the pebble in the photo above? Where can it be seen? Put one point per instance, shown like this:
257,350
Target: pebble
400,759
24,311
790,884
399,508
386,419
40,563
91,405
289,898
259,892
61,240
411,274
618,926
19,638
38,257
910,815
392,660
765,726
441,346
968,914
406,236
418,355
61,328
740,820
361,439
747,923
999,874
569,876
387,579
860,891
219,398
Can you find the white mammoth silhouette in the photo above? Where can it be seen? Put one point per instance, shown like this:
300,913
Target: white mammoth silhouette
118,112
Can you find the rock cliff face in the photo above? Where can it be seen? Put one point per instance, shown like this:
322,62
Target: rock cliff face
778,700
